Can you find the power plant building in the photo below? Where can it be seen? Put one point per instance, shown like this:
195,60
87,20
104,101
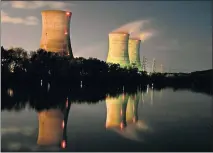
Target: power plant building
118,49
134,53
56,32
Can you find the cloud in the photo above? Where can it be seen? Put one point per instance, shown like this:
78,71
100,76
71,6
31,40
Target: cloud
132,27
29,20
137,29
39,4
145,35
26,130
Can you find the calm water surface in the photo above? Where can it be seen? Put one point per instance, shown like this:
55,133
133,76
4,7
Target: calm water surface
155,121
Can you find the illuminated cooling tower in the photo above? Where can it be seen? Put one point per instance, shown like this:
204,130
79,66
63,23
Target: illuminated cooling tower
132,108
116,111
118,49
134,52
56,32
50,127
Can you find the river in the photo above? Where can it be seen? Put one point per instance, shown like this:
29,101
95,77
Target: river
164,120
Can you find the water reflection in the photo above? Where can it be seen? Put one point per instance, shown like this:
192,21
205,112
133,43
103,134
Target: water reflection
116,111
53,125
122,116
129,119
50,127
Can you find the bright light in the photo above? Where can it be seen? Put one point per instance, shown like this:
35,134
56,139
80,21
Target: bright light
63,124
65,33
122,125
63,144
10,92
68,13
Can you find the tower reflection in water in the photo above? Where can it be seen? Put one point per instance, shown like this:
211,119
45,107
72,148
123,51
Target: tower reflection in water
116,111
122,116
52,126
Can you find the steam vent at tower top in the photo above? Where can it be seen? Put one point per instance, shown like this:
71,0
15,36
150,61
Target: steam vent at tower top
118,48
56,32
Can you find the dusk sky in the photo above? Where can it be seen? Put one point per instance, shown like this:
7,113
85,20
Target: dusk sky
180,32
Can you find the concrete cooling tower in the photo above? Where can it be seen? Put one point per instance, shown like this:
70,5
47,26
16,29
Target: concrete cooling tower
56,32
118,49
134,52
50,127
116,111
132,108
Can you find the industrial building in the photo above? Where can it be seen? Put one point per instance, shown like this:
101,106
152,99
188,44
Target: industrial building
118,49
56,32
134,52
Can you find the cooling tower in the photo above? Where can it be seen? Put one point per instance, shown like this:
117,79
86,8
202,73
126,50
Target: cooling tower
50,127
116,111
132,109
56,32
134,52
118,49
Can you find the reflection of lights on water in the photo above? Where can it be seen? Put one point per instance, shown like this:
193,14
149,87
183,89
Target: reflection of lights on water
63,124
147,89
67,103
48,87
63,144
10,92
142,97
151,97
41,82
122,125
81,84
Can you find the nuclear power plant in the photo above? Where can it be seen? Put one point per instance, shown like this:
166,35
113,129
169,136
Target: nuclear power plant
56,32
134,52
118,49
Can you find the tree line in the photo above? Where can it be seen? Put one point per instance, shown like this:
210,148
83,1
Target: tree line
20,67
43,68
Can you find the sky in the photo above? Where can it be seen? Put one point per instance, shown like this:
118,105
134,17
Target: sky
178,33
